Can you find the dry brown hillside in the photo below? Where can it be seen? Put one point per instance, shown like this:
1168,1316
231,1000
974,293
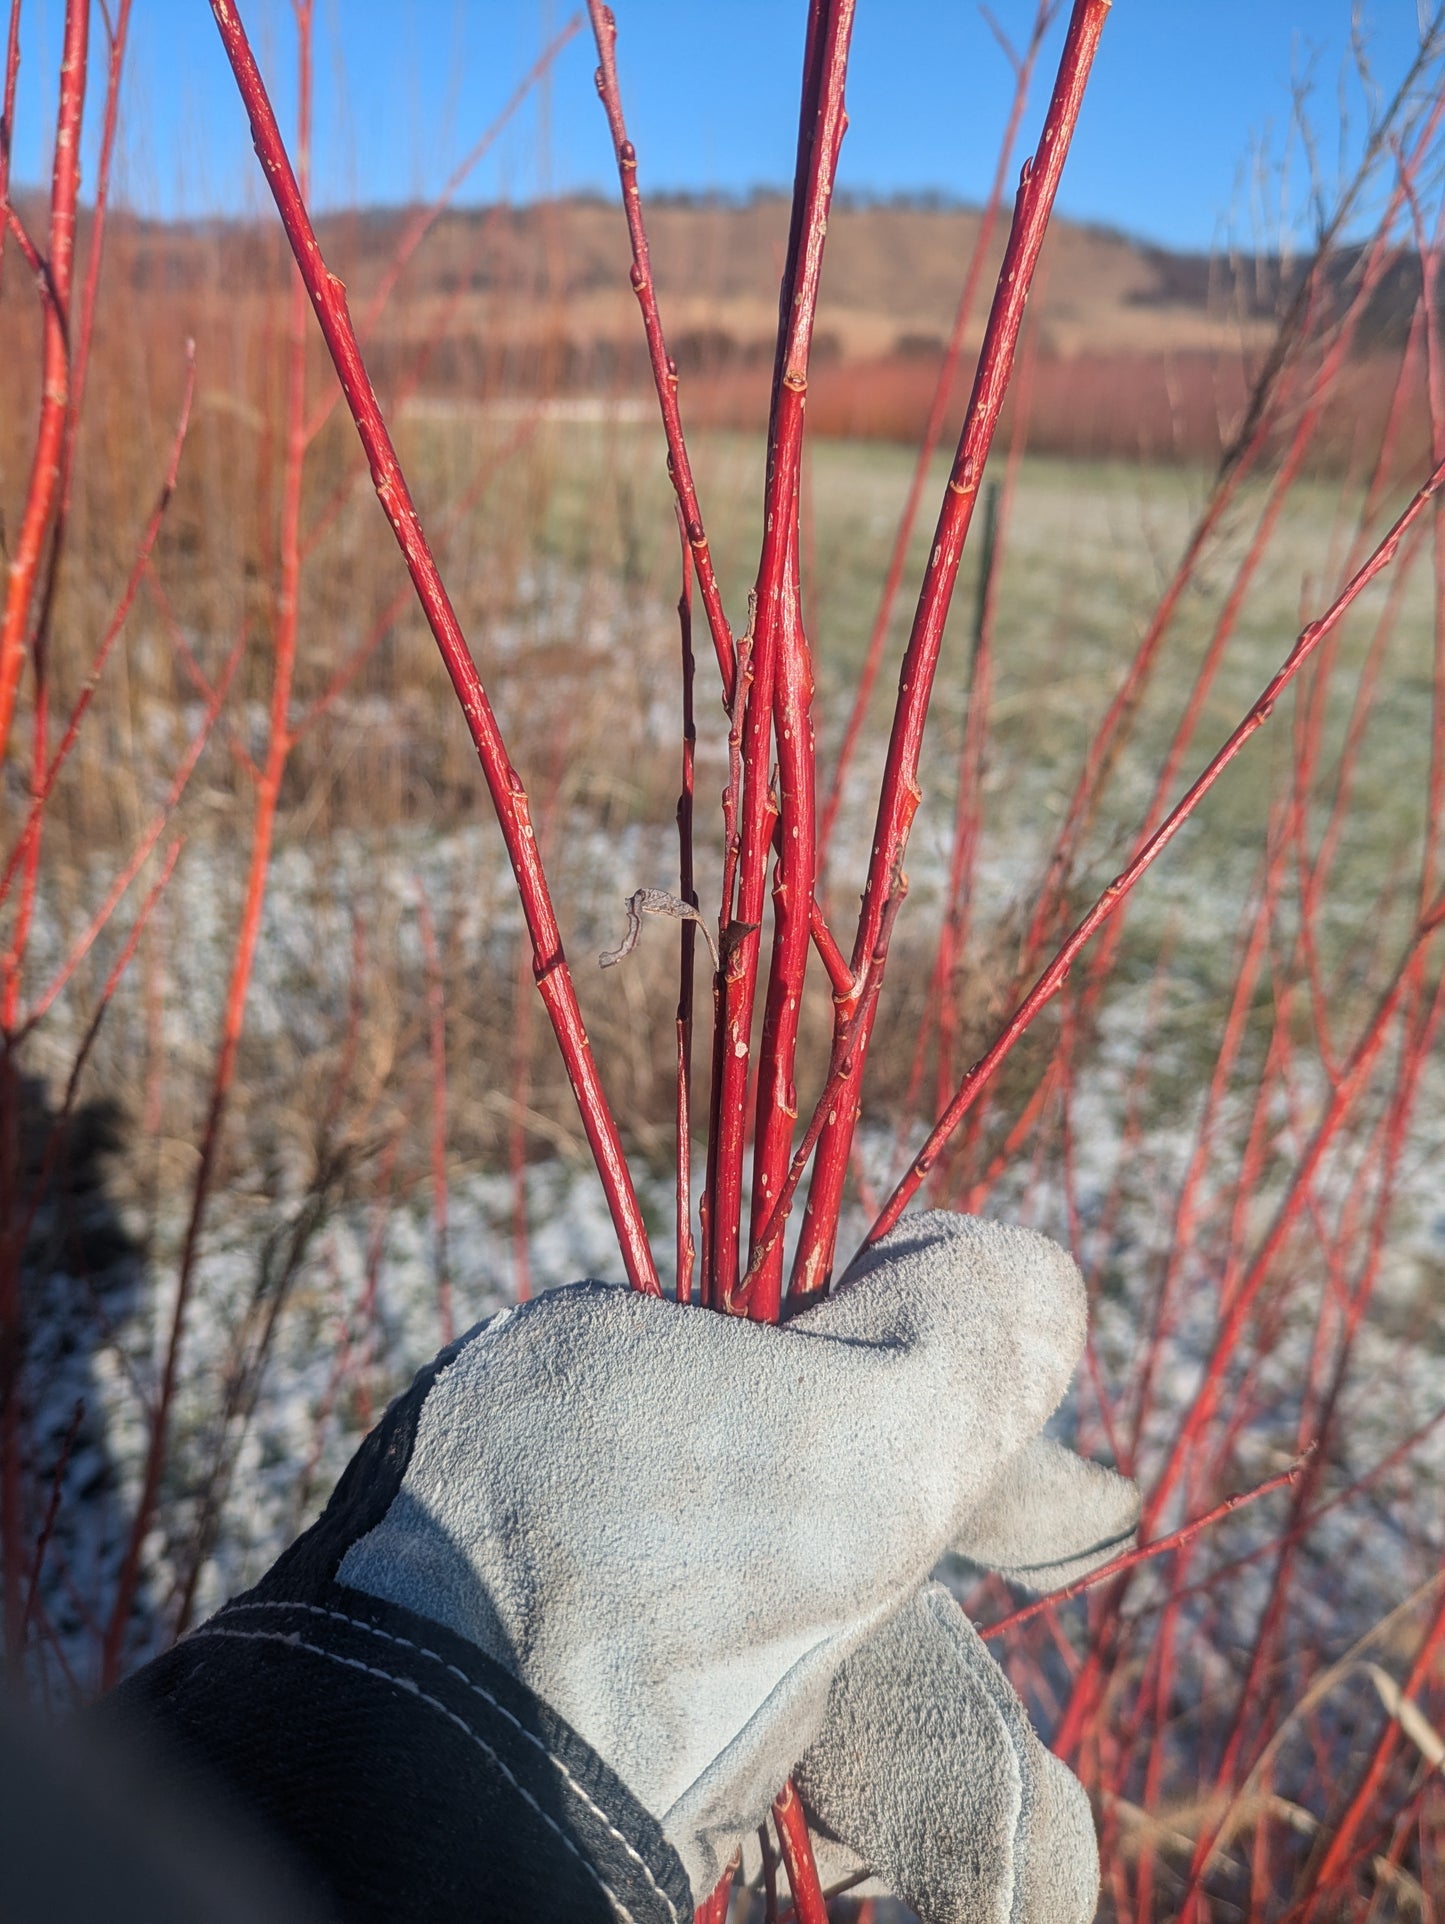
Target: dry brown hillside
893,276
1141,352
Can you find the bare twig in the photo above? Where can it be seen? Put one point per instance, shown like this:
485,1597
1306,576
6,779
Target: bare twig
509,797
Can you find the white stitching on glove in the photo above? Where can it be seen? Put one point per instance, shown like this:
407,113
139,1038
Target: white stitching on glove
704,1542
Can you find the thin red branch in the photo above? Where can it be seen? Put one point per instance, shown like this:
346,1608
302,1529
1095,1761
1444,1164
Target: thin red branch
1052,980
843,1068
509,797
664,368
1023,68
820,132
117,34
43,489
687,930
797,1850
7,120
794,875
835,963
900,794
1144,1552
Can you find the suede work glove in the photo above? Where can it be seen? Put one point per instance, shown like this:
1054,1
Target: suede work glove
704,1545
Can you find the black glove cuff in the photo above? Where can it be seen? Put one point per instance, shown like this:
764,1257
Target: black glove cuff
413,1776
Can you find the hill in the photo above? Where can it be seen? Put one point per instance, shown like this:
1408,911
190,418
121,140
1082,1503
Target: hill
1140,351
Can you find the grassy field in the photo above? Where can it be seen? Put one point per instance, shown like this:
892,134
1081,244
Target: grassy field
322,1273
565,574
279,1109
1087,549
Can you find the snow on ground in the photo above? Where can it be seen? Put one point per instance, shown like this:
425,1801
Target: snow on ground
358,1312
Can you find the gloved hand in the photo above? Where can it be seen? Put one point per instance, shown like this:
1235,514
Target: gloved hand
705,1545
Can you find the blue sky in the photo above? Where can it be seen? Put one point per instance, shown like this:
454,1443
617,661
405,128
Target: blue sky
1186,135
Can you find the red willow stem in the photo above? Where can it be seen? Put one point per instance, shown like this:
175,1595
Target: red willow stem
797,1850
79,364
842,1067
793,883
43,489
900,794
117,33
974,1197
835,963
7,119
821,125
509,797
1341,1839
687,932
53,500
968,803
1054,976
664,368
714,1907
937,412
1144,1552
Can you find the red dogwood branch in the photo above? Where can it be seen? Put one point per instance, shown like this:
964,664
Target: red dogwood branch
1056,974
664,368
900,794
43,490
509,797
820,132
1143,1553
938,409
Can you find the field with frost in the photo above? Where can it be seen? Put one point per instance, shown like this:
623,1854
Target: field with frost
322,1277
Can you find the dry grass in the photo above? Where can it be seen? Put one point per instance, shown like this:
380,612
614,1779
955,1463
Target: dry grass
558,547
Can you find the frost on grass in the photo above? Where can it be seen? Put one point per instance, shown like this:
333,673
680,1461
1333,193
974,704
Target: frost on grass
360,1311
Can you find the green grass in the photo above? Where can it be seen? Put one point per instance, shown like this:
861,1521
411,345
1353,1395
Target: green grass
583,514
1088,549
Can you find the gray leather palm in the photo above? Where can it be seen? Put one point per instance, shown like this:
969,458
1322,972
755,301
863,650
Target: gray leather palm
680,1528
